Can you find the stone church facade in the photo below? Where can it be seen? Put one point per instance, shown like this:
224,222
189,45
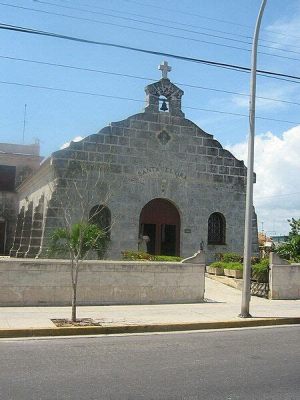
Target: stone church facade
155,174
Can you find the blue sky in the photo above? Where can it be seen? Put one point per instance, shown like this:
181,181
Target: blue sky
206,29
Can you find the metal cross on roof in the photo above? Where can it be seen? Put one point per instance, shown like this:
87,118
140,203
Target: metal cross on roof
164,68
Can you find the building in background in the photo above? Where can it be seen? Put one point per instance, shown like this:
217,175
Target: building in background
17,162
280,239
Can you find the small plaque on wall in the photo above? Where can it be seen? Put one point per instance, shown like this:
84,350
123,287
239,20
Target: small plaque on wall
187,230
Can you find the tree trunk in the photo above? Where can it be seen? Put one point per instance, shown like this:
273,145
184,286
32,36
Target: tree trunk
75,266
74,298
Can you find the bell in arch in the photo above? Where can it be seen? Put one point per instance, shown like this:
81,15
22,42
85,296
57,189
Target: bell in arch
164,106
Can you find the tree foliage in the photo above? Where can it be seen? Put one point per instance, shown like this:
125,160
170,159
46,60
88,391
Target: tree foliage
78,240
79,196
295,227
291,249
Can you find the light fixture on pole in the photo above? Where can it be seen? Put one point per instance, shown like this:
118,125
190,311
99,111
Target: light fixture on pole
249,194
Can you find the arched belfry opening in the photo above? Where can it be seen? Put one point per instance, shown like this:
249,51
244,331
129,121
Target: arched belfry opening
163,96
163,104
160,221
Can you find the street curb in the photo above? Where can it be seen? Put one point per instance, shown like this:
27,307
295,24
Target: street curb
108,330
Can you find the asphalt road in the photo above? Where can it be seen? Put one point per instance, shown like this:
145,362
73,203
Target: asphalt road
254,364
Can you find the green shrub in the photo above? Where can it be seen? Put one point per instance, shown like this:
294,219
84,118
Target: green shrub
218,264
132,255
230,257
264,262
260,271
262,266
167,258
234,265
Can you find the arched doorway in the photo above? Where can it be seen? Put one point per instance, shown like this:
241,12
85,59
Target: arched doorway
160,220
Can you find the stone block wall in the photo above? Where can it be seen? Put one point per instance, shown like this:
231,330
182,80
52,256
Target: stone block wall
156,155
284,279
29,282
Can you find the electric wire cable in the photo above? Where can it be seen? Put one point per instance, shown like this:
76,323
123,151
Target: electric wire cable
189,25
146,51
208,18
93,70
155,32
138,100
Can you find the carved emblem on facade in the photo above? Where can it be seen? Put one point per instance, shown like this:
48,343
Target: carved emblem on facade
163,137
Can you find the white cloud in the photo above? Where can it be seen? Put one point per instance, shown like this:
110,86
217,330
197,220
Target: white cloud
277,167
266,96
284,33
67,144
243,102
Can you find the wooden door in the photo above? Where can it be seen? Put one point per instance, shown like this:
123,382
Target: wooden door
160,220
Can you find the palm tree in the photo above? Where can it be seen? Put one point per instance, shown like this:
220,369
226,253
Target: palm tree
77,240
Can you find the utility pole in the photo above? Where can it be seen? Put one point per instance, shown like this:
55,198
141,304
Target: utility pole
249,194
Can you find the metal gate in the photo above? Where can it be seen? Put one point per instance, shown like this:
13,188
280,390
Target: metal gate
260,284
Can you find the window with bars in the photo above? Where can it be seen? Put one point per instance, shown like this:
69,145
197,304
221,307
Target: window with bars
216,229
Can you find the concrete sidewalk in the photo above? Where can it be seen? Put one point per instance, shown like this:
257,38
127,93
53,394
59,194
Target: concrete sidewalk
220,309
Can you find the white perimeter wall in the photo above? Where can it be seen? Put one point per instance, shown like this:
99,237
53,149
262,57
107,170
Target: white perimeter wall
48,282
284,279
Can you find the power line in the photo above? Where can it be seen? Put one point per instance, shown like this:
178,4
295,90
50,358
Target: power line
94,12
129,19
187,13
192,26
132,27
151,31
277,195
237,93
160,19
142,78
68,91
182,24
137,100
77,68
119,17
208,18
138,49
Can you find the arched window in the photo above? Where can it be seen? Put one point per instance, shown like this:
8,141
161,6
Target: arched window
216,229
100,215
